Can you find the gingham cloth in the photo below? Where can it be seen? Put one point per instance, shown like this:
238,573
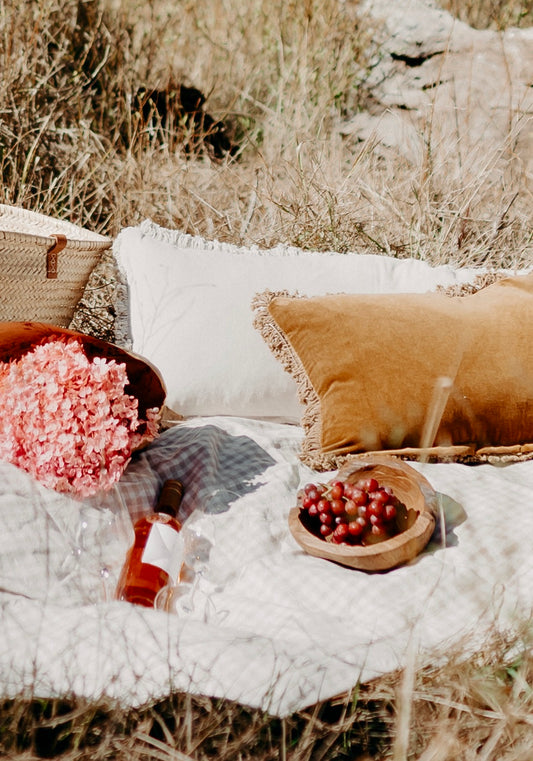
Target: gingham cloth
264,623
215,467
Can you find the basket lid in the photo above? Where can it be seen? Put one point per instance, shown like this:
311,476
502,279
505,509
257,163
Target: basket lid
145,381
15,220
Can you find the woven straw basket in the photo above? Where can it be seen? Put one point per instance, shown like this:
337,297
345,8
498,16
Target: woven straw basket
45,264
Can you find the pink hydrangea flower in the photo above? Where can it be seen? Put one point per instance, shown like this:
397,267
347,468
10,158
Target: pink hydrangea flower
66,419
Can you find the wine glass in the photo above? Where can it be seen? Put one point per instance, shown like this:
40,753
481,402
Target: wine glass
105,533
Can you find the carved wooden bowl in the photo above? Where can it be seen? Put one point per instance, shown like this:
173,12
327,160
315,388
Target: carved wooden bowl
145,382
415,524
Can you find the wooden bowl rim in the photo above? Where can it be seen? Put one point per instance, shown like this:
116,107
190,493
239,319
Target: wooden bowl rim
389,553
417,530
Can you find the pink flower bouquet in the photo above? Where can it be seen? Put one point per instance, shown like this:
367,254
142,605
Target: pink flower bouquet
66,419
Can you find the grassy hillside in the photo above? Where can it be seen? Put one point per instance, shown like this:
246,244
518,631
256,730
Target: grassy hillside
283,77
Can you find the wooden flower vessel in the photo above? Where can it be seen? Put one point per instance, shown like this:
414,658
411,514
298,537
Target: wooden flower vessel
145,382
416,524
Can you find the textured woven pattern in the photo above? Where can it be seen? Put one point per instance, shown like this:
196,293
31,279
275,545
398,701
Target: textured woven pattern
28,293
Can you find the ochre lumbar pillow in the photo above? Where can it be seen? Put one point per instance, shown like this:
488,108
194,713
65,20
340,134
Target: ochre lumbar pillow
411,374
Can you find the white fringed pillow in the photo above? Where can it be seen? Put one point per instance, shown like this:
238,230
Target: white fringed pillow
190,312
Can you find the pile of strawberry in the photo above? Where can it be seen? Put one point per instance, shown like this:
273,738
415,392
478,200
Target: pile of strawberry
350,513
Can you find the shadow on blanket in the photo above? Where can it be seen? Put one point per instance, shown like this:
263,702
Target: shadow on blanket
215,467
451,516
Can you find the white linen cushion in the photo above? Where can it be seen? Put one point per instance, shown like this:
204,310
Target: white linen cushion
190,312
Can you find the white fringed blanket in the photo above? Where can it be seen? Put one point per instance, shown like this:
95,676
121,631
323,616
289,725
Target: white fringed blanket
264,623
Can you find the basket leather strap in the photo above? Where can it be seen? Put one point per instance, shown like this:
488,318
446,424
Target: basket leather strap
51,255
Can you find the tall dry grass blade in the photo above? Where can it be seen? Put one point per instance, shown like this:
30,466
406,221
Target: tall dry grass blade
442,747
400,749
441,393
161,750
491,745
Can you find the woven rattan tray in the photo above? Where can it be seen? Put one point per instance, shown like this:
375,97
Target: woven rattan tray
44,265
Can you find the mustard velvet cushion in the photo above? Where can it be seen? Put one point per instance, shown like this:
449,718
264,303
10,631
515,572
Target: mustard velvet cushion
447,378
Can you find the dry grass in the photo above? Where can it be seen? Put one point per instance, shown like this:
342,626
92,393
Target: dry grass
492,14
284,75
474,710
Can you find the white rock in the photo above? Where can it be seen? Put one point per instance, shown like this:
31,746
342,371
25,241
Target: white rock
467,93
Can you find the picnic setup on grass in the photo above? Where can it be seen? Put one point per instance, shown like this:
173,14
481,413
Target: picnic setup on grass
344,443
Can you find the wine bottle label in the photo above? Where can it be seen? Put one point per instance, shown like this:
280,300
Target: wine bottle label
164,549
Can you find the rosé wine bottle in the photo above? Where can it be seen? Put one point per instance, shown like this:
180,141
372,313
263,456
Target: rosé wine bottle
155,558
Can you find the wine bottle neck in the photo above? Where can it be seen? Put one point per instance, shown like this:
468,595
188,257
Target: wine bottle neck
170,498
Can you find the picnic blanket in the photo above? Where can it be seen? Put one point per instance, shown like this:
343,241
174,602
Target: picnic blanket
263,623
